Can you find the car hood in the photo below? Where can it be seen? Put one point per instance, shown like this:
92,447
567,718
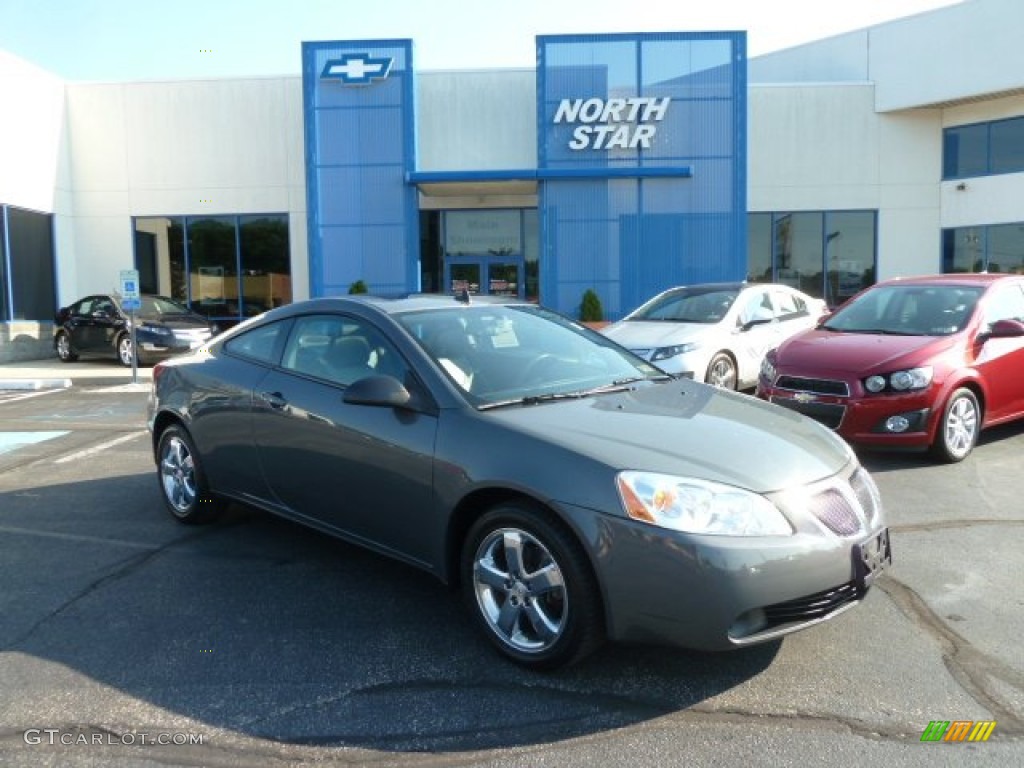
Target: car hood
857,352
646,334
688,429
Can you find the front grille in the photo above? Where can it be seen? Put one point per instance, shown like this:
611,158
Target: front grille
867,495
811,607
829,414
816,386
834,510
192,334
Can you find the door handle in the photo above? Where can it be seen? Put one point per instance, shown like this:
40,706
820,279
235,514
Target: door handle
274,399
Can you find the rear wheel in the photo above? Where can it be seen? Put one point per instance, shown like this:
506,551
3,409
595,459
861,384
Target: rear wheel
181,479
722,372
958,431
64,351
529,587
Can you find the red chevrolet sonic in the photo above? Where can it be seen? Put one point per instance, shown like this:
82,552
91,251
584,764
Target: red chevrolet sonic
910,363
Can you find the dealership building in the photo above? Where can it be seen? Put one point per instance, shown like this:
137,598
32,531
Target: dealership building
622,163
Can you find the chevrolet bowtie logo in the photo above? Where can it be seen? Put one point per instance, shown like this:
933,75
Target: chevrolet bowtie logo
357,69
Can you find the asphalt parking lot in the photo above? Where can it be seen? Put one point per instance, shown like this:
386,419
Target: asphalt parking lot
128,639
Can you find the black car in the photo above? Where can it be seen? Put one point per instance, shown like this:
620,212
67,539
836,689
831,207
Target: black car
99,326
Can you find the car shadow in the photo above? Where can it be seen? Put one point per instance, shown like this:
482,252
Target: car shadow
886,461
270,630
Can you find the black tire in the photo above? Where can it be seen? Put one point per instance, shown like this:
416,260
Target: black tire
543,608
182,483
957,431
123,347
722,371
64,349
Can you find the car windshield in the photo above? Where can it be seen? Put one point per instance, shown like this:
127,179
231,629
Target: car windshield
508,354
688,305
907,310
159,305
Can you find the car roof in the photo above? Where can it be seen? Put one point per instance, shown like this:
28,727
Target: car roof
982,279
397,304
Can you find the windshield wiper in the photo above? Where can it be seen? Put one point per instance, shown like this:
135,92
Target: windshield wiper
619,385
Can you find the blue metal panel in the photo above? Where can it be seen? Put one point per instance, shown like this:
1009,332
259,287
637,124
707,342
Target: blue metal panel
666,109
359,114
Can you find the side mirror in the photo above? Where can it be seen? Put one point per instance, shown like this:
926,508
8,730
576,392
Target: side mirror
384,391
1004,329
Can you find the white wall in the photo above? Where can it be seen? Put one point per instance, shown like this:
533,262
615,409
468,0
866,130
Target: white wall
823,147
179,148
31,135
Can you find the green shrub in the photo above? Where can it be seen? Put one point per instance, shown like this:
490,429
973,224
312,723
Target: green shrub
590,308
358,287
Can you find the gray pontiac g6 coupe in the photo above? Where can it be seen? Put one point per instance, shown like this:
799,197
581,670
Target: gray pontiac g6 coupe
575,492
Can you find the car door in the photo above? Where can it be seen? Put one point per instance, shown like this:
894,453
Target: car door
757,332
1001,360
360,470
87,328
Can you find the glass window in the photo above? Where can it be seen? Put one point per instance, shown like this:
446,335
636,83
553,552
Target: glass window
213,266
340,350
963,249
1006,151
1006,248
266,263
260,344
798,249
965,151
1005,303
32,273
849,254
3,265
759,248
788,305
160,256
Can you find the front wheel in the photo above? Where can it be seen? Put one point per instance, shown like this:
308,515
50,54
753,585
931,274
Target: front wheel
124,349
181,479
529,587
958,431
722,372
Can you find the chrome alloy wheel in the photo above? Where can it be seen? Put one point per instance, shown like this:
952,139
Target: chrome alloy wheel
178,475
63,346
520,590
722,372
960,428
124,349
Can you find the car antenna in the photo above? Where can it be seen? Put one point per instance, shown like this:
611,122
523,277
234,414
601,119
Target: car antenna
463,296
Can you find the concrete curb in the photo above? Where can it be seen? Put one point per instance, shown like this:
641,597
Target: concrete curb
34,384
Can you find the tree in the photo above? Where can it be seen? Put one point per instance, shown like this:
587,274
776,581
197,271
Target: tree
590,308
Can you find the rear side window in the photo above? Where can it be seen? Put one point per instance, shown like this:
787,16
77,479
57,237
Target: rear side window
260,344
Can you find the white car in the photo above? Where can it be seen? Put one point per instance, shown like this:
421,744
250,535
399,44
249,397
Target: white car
717,333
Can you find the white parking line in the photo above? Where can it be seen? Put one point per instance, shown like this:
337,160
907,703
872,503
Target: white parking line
98,448
7,397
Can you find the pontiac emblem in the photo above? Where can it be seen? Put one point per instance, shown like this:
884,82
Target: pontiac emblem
805,397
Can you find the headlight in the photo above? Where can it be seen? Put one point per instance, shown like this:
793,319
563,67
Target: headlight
699,506
664,353
901,381
874,383
767,370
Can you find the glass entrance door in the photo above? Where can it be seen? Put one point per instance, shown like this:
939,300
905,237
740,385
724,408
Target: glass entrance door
484,275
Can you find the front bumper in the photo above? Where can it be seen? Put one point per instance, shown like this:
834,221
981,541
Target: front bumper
718,593
862,418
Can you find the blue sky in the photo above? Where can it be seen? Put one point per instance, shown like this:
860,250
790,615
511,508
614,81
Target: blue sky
146,39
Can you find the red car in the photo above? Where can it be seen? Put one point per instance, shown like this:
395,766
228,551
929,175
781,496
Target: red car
910,363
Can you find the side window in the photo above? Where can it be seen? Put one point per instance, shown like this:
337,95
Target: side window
1005,303
788,306
758,309
259,344
83,308
340,349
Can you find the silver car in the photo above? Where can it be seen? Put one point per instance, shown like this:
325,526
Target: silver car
574,491
716,332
